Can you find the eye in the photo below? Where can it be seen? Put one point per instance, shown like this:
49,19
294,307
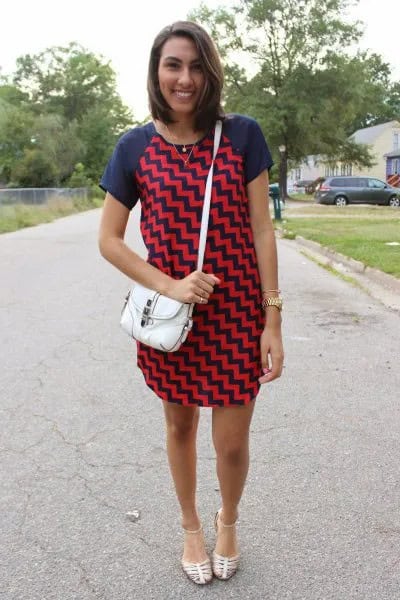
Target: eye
198,68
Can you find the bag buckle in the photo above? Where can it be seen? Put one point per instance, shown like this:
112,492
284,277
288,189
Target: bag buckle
146,313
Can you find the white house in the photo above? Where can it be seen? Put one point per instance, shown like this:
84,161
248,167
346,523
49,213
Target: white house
381,140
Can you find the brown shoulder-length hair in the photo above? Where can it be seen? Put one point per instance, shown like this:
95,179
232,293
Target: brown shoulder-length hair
209,106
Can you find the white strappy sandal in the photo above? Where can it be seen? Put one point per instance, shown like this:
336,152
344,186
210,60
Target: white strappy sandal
224,566
199,573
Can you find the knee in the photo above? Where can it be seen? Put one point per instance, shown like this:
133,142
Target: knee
233,452
182,429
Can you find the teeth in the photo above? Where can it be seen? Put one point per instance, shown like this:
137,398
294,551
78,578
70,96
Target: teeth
184,94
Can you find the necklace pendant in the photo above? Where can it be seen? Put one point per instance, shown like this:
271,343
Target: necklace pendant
184,149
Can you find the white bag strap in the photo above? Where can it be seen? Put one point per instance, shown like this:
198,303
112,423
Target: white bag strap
207,198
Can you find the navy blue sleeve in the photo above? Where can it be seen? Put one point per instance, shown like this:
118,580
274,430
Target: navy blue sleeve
247,137
257,155
119,175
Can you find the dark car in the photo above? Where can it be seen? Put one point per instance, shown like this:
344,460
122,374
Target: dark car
356,190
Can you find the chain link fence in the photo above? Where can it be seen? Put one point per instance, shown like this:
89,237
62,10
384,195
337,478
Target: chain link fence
44,196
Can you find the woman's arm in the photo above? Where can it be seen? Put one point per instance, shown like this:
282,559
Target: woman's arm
112,246
265,246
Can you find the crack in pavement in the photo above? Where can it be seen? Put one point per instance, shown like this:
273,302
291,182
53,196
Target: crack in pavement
101,501
84,576
79,447
26,448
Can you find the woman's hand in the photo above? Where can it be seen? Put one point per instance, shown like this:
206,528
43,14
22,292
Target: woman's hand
271,351
196,287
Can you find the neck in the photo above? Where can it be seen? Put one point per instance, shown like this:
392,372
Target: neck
182,129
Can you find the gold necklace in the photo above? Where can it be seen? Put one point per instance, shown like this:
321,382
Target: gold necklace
184,148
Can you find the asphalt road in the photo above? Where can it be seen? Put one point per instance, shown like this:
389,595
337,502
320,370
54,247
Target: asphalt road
82,441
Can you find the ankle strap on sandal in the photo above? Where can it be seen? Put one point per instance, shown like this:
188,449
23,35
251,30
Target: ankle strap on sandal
226,526
220,522
191,531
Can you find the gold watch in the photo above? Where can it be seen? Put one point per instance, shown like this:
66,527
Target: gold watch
273,302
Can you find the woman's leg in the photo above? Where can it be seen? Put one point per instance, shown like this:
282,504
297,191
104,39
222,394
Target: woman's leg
181,425
230,428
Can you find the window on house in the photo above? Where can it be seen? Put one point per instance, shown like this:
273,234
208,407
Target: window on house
395,167
396,137
297,174
331,171
346,169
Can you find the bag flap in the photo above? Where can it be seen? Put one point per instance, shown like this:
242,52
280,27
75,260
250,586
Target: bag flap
161,307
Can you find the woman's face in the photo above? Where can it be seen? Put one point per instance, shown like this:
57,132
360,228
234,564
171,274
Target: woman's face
180,76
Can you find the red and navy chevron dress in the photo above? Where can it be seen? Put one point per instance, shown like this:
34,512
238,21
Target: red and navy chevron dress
219,364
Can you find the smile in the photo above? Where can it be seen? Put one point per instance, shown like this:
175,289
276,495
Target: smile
183,95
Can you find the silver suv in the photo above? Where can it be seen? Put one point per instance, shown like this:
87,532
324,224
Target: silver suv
356,190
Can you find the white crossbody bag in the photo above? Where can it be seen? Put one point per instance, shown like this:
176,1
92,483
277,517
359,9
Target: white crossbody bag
154,319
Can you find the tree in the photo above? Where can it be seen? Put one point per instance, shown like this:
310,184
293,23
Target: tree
12,95
59,140
380,101
16,129
35,169
65,80
76,114
79,177
305,92
94,131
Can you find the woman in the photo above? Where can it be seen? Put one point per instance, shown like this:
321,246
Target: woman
235,344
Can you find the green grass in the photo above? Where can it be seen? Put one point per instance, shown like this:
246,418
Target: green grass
302,197
360,237
321,210
19,216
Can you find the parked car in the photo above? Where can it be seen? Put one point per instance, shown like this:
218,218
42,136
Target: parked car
356,190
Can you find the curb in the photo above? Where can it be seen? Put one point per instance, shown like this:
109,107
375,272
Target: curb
379,285
356,266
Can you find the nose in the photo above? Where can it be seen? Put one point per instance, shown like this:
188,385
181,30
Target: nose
185,78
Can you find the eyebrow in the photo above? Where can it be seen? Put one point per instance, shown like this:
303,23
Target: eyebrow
196,60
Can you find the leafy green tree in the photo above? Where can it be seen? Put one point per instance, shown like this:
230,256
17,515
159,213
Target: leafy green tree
380,101
13,95
35,169
95,133
70,81
305,92
75,112
16,130
59,140
79,177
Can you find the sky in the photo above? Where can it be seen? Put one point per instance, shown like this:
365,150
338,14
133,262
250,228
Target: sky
123,31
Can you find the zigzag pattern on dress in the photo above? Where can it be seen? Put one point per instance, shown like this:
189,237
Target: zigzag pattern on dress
219,365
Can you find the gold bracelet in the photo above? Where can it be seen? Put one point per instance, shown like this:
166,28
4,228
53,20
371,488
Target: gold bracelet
273,301
266,292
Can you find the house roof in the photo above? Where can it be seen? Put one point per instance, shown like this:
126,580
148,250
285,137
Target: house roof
368,135
392,154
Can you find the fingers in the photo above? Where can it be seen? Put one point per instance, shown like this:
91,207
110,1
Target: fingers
272,369
201,299
201,286
270,375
